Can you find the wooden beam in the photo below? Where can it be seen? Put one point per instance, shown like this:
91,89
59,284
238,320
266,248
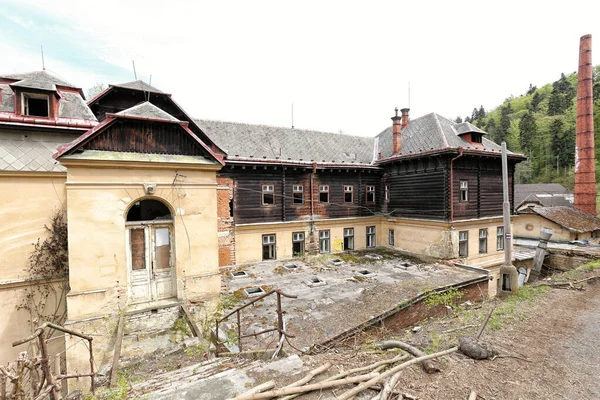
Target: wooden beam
117,352
191,322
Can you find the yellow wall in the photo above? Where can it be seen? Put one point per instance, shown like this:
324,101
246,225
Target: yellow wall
419,237
535,223
98,201
27,203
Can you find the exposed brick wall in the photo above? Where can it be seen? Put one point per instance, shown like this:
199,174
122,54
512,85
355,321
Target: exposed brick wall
225,223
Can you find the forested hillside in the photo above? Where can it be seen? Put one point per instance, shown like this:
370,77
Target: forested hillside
541,124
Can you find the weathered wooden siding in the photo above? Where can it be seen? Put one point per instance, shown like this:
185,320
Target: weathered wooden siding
417,188
248,206
485,187
145,137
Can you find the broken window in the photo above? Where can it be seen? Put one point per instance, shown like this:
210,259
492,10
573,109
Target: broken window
298,244
268,195
148,210
483,233
348,238
36,105
269,247
324,193
371,241
370,194
324,241
464,191
387,192
500,238
348,194
391,237
138,248
476,137
463,243
298,194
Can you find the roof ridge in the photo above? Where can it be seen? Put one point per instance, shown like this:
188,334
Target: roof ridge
441,130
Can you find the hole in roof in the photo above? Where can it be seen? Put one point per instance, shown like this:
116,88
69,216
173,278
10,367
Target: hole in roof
315,281
290,267
336,261
254,291
364,272
239,274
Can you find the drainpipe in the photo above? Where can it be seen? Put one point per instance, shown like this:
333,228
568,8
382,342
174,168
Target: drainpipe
460,153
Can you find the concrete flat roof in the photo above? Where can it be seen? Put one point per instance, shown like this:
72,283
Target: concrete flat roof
351,293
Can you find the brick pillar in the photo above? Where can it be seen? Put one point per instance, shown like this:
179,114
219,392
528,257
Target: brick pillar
226,224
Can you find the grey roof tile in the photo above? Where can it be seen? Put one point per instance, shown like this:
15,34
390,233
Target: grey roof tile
467,127
147,110
38,79
31,153
138,85
570,218
73,106
272,143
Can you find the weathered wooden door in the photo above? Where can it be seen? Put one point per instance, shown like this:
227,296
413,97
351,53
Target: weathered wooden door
151,262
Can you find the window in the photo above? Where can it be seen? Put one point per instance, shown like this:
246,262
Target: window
298,244
36,105
387,192
370,194
391,237
371,241
476,138
268,195
348,194
500,238
324,193
348,238
483,241
464,191
268,247
463,244
324,242
298,194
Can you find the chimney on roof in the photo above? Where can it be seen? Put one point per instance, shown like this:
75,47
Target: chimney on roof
585,170
404,112
396,138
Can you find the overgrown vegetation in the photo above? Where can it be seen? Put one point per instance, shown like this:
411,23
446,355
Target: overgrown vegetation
447,298
541,124
48,269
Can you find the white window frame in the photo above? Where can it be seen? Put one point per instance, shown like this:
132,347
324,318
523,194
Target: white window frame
463,242
391,238
464,191
297,189
349,233
325,241
483,241
267,188
269,240
349,189
324,189
500,238
370,190
298,237
371,237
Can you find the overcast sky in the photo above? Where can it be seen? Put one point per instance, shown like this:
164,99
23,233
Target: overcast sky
344,64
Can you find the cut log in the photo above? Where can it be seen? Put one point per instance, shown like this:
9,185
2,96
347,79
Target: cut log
351,393
476,349
429,366
309,376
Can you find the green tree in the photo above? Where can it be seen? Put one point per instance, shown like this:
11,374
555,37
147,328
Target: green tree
531,89
95,90
502,131
528,131
535,101
458,120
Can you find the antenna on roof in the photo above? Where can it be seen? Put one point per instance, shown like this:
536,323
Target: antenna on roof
43,64
292,115
134,73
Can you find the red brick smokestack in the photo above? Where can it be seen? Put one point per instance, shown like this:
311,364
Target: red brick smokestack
396,138
585,168
404,112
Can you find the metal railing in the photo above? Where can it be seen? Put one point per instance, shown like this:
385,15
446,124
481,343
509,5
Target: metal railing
280,327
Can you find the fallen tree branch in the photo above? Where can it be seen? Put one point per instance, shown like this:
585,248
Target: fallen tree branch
460,328
260,388
485,321
309,376
429,366
308,388
351,393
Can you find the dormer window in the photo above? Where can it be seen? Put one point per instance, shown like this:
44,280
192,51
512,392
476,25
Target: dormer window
35,104
476,138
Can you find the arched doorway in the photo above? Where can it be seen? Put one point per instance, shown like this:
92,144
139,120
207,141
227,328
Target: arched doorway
150,251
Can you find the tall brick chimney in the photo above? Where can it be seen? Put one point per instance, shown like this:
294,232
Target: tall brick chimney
404,112
396,138
585,169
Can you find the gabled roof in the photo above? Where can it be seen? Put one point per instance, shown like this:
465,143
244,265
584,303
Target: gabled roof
43,80
144,111
570,218
263,142
431,132
149,111
139,85
546,194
